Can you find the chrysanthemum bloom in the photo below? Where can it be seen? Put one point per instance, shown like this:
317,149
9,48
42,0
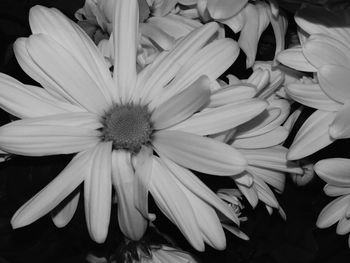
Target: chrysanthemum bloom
160,27
335,172
260,139
248,18
115,124
325,51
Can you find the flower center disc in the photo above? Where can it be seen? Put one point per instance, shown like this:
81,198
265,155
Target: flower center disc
128,126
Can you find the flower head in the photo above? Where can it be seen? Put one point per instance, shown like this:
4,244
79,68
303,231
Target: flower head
138,132
324,51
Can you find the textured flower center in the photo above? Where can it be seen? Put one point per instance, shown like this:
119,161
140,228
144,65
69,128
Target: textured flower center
128,126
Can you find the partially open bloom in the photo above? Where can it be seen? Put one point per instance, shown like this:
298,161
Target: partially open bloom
160,27
140,132
250,18
324,51
335,172
260,139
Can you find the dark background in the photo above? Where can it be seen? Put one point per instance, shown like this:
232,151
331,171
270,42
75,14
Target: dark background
273,240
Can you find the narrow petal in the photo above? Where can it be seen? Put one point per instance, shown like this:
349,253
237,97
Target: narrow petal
174,204
195,185
183,105
48,135
161,38
125,33
251,31
312,136
340,127
312,96
98,192
343,226
272,138
212,60
274,158
222,118
333,190
245,179
196,152
333,212
333,51
26,101
274,178
294,58
319,20
232,93
64,212
131,222
249,193
75,83
152,79
236,231
264,193
222,9
53,23
207,220
55,192
334,81
334,171
142,164
34,71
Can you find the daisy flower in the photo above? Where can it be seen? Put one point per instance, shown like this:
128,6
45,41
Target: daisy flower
324,51
138,132
335,172
249,18
260,139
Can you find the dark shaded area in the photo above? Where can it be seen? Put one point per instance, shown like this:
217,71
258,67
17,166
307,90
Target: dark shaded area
273,240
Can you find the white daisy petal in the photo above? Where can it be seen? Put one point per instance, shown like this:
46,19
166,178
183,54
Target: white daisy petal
312,96
26,101
98,192
340,127
272,138
125,33
343,226
142,164
312,136
131,222
333,51
207,220
64,212
174,204
52,22
264,193
221,9
152,79
274,178
196,152
182,105
231,94
79,88
50,135
294,58
212,60
334,171
333,190
55,192
333,212
249,193
33,70
221,118
236,231
334,81
319,20
195,185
